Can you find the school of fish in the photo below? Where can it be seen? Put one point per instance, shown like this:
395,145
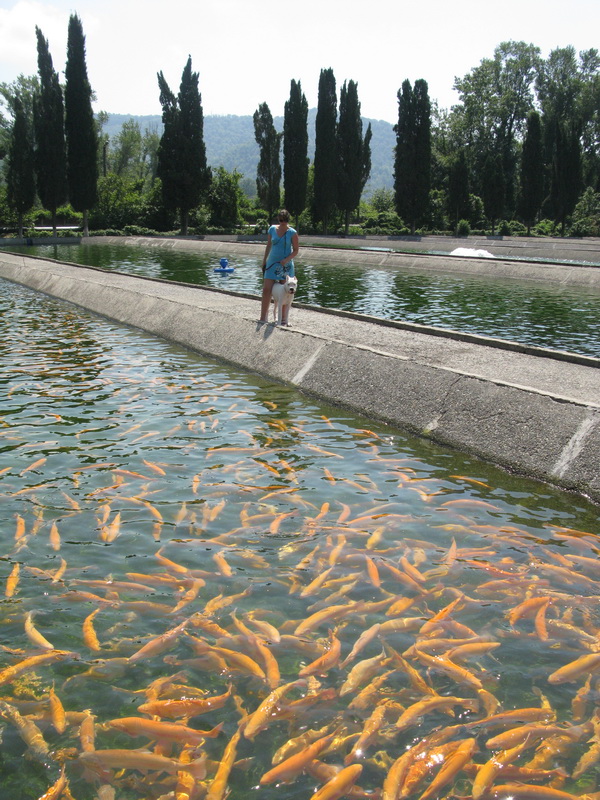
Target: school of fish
402,638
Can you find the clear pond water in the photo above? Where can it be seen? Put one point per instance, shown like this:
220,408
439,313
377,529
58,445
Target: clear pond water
203,574
560,318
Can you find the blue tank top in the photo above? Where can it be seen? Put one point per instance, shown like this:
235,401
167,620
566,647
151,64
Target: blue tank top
281,247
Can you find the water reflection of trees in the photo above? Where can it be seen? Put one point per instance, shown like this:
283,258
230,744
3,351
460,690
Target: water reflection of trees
410,297
533,314
331,286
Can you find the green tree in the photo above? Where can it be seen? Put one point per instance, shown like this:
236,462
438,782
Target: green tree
80,126
126,150
182,164
295,151
20,176
22,90
493,188
353,152
568,89
49,126
268,173
325,161
412,162
496,97
459,204
119,203
224,198
532,171
566,178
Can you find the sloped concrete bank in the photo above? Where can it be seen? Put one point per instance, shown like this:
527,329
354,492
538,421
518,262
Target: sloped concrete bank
528,411
562,274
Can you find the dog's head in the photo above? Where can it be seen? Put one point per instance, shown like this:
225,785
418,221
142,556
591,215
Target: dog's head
290,284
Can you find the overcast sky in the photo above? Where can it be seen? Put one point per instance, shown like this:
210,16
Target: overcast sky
248,51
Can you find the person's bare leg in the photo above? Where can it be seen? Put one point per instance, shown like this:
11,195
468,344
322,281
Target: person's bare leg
266,299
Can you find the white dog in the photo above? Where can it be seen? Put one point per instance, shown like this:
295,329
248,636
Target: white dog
282,296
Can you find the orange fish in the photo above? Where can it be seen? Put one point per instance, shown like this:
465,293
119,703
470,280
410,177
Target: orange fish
294,765
340,784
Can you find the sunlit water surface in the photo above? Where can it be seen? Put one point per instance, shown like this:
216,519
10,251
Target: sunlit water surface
144,487
557,317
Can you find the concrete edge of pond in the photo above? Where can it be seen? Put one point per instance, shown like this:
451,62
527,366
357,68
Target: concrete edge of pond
556,273
534,415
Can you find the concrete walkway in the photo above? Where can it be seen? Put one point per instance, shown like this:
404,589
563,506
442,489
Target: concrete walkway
533,411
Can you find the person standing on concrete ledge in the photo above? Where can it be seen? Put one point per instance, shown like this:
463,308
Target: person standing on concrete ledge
278,261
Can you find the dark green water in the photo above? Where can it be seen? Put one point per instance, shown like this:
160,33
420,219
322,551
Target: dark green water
545,316
150,487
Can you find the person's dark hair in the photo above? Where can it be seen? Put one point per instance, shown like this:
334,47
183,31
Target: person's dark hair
283,215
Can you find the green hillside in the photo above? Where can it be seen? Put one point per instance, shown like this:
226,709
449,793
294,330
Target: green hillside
230,143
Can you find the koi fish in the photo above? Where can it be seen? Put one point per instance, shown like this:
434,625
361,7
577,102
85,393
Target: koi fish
327,661
218,786
34,636
267,710
162,731
574,669
430,704
9,674
451,766
340,784
186,707
13,580
294,765
140,760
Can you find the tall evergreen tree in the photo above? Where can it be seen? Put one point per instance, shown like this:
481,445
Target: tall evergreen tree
565,182
20,176
532,171
325,163
80,126
295,151
268,173
412,162
353,152
182,166
493,188
458,189
49,126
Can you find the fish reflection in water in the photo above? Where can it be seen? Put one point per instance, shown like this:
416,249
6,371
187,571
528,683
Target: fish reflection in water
307,613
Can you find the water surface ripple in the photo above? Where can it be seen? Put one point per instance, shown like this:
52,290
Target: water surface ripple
204,574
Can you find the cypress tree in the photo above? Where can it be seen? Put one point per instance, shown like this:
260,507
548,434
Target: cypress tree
412,161
295,151
268,172
182,166
353,152
532,171
325,164
493,188
20,176
80,126
49,126
458,189
566,176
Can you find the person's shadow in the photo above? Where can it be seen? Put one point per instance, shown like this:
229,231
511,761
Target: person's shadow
267,328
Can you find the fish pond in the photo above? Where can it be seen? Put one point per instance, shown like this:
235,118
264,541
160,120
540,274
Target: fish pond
553,316
213,586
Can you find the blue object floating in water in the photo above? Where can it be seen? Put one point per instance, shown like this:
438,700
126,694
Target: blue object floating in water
224,266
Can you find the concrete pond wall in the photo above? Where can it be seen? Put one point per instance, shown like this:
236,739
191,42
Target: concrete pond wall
533,411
